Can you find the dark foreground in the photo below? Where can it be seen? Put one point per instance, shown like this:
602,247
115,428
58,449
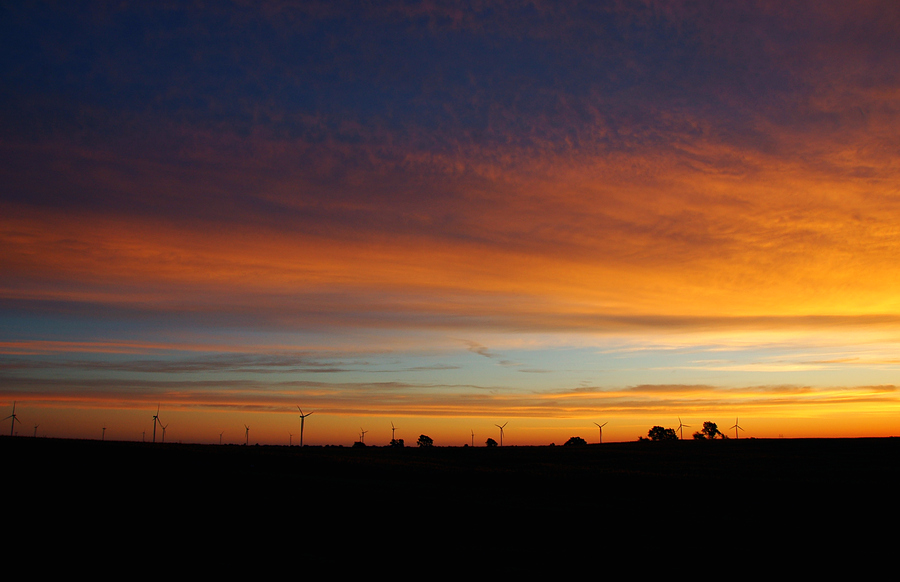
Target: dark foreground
324,502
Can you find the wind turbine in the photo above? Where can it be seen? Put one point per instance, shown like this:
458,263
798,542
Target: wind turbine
164,431
155,421
393,428
220,436
473,438
501,431
681,427
302,418
35,430
600,426
362,435
736,428
13,421
247,434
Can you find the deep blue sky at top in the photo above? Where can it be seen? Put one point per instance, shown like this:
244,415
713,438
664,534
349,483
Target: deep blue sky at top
501,73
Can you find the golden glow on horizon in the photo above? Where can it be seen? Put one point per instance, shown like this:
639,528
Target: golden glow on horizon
193,425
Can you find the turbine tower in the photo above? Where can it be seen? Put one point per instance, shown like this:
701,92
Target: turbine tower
681,427
501,431
37,425
473,438
736,428
164,431
362,435
600,426
302,418
155,421
14,420
393,428
247,434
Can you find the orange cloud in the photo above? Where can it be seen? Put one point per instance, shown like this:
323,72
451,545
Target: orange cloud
576,239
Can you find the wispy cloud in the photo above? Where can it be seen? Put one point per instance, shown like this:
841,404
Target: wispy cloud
448,400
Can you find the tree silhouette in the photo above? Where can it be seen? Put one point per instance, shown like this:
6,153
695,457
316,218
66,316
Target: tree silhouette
710,431
397,443
658,433
424,441
490,443
575,442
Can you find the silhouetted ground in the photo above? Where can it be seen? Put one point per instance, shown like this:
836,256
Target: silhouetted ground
511,504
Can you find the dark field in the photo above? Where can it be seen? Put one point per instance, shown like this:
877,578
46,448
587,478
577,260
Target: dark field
325,502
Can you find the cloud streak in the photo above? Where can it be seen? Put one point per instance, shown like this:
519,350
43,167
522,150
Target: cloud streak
440,401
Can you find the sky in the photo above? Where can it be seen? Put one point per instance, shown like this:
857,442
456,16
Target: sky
449,216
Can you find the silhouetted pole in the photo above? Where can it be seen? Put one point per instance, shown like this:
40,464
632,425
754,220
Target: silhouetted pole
681,427
14,420
302,419
501,431
155,420
601,429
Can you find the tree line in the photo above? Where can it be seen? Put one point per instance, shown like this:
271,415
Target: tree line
710,431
